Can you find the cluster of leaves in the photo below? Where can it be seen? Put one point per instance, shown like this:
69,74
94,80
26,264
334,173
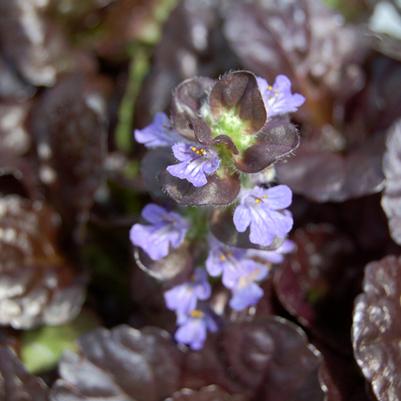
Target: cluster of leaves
76,77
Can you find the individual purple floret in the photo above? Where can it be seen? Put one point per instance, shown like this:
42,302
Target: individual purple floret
263,210
246,292
278,98
165,229
224,260
183,298
158,134
274,257
193,328
196,163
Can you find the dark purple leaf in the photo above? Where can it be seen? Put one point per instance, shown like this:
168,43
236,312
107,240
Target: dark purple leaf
16,383
192,44
376,330
376,107
205,367
31,43
178,263
70,130
324,175
391,199
153,164
210,393
124,364
300,38
239,90
37,285
11,86
273,358
122,23
217,192
341,376
188,98
15,140
305,283
275,141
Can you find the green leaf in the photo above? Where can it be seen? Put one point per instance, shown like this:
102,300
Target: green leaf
42,348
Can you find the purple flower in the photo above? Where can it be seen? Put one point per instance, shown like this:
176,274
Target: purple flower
165,229
246,292
158,134
193,328
263,210
224,260
276,256
278,98
196,162
183,298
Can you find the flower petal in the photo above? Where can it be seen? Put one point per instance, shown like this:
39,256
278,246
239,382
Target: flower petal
158,133
241,218
246,297
192,333
153,213
279,197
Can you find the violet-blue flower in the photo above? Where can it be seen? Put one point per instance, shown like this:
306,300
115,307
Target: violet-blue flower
157,134
224,260
165,229
246,292
193,328
263,210
278,98
183,298
196,163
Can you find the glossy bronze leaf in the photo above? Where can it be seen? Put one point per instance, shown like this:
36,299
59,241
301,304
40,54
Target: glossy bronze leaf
272,37
16,383
391,198
70,131
304,283
217,192
323,175
123,364
239,91
187,102
32,44
275,141
37,286
12,87
210,393
272,356
178,263
376,330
